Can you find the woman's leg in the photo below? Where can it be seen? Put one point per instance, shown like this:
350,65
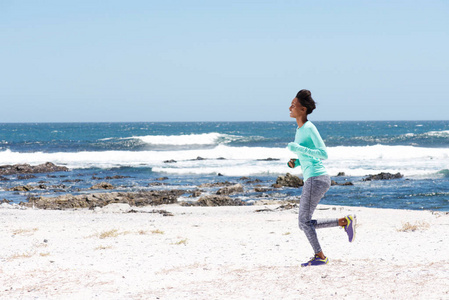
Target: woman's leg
313,190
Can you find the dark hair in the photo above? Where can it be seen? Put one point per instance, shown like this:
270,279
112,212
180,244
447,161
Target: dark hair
305,98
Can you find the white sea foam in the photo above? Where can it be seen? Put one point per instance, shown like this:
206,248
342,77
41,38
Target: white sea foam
442,133
244,161
212,138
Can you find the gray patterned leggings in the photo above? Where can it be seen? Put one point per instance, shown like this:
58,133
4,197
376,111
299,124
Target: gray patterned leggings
313,190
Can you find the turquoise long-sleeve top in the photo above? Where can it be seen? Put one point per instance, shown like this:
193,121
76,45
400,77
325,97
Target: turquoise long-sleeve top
310,149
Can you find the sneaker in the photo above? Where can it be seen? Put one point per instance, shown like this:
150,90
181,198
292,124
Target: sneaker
350,227
315,261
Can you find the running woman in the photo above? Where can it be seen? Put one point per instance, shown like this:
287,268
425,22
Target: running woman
310,149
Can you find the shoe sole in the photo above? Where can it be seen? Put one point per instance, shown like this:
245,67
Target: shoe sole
353,225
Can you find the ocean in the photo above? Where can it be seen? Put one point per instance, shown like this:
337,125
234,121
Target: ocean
184,155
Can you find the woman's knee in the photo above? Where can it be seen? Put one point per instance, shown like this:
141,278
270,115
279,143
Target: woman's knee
306,224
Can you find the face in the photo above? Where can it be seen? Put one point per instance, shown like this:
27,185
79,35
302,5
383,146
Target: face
296,109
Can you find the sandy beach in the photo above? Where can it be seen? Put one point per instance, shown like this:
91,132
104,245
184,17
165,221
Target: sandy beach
177,252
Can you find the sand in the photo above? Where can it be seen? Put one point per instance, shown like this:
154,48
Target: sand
219,253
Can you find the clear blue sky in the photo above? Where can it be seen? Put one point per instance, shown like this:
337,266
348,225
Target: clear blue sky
222,60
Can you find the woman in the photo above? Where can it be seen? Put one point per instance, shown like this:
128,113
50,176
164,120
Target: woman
310,149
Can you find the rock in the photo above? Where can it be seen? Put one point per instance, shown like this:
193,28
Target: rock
5,201
333,182
116,177
162,178
268,159
3,178
21,188
228,190
170,161
25,177
216,184
383,176
195,194
27,169
276,185
348,183
102,186
262,189
218,200
249,181
72,180
341,174
290,180
91,201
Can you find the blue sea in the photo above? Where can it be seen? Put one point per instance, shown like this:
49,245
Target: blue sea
186,155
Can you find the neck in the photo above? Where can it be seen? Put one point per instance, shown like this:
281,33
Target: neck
301,121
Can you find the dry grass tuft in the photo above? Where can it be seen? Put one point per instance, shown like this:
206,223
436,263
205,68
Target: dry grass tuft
101,247
21,255
109,233
157,231
419,225
44,254
24,231
181,242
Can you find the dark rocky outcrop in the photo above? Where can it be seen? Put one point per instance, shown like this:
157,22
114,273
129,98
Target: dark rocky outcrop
28,169
383,176
25,188
196,194
218,200
73,180
162,178
289,180
116,177
347,183
170,161
91,201
262,189
232,189
26,177
102,186
216,184
199,158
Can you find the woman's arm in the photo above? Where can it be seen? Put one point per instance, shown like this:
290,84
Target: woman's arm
319,152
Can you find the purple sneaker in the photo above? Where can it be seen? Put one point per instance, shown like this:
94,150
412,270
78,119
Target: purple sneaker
315,261
350,227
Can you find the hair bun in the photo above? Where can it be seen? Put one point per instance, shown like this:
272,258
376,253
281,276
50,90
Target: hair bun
305,93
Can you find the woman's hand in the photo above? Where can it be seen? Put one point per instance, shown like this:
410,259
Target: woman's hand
291,163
